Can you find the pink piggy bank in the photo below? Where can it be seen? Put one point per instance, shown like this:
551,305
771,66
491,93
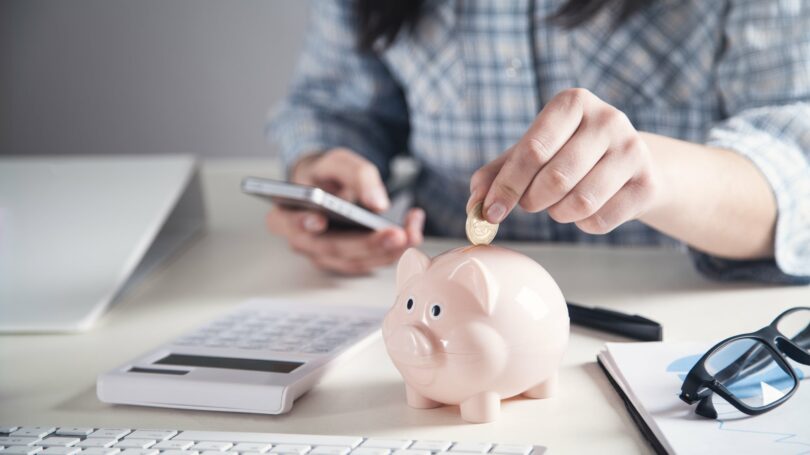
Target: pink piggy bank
474,326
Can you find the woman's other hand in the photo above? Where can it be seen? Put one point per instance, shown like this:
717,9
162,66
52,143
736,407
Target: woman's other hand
351,177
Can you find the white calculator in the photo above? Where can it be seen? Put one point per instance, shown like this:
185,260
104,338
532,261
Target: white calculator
258,358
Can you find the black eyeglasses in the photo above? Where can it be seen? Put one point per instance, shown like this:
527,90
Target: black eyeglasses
751,371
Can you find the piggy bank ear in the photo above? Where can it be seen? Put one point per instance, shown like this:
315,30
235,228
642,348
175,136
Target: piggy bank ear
410,264
473,276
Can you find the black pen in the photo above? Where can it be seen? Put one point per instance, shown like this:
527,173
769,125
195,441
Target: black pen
626,325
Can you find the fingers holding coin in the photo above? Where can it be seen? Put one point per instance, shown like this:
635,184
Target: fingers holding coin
479,231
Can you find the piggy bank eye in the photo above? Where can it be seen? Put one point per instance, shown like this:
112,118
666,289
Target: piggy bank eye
435,311
409,305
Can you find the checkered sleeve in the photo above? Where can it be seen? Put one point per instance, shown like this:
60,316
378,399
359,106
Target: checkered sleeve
764,80
340,97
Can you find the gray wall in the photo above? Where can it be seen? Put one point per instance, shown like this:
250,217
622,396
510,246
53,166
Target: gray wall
144,76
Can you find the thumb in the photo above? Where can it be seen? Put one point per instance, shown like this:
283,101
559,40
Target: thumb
370,189
354,178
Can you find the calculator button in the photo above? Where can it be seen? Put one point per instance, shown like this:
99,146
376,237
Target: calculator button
60,451
57,442
139,452
135,443
17,440
21,450
209,445
35,432
99,451
116,433
173,445
74,431
97,442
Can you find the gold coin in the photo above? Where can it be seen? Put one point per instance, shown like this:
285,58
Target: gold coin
479,230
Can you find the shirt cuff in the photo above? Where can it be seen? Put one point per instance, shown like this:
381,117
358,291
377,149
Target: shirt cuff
765,137
765,271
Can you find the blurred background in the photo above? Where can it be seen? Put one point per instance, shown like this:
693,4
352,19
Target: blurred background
144,76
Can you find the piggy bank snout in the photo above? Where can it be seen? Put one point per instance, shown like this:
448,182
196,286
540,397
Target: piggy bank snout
412,345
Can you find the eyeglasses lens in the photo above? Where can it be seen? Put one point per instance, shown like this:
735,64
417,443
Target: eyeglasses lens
746,367
796,327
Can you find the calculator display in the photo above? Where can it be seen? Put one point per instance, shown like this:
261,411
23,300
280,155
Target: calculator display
230,363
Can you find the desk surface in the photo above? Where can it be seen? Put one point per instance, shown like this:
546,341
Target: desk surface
50,379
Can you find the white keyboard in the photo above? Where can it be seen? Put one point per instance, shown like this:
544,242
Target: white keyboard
15,440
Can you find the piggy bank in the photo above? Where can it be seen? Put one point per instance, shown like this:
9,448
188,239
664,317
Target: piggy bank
474,326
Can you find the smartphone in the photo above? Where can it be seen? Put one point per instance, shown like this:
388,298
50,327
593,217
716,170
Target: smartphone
342,214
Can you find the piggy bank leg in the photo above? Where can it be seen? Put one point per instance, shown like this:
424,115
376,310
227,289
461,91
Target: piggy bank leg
418,401
545,389
481,408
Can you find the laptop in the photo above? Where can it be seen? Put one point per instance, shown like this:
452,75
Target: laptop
75,231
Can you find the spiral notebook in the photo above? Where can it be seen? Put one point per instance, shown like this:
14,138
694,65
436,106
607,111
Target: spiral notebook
648,377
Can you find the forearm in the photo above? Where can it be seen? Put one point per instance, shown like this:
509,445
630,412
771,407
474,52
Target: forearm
714,200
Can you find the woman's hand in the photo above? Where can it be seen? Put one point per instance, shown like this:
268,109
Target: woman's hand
581,160
351,177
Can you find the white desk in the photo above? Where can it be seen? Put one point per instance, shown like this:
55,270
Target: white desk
50,379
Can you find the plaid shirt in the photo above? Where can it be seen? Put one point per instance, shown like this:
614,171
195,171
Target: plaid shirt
466,83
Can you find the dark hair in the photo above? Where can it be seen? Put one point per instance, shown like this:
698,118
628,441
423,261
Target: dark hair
383,20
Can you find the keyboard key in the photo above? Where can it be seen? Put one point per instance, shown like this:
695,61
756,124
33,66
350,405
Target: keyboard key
290,448
433,446
475,447
173,444
273,438
135,443
57,441
35,432
100,451
158,435
393,444
370,451
21,450
116,433
96,442
74,431
17,440
179,452
512,449
330,450
216,452
60,451
7,429
251,447
411,452
139,452
212,445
